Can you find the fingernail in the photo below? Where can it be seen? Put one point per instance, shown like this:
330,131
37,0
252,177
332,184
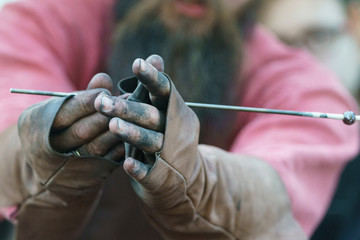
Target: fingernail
133,167
142,65
104,93
138,172
136,167
106,104
118,127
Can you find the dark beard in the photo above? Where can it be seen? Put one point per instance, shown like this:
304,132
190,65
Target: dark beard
202,68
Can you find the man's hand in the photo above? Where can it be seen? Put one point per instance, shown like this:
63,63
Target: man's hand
68,185
194,191
140,124
78,127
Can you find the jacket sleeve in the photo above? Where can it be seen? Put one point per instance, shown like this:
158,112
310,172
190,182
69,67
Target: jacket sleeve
45,45
59,191
202,192
308,154
49,45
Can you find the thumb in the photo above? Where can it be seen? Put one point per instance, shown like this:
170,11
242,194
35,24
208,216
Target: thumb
101,80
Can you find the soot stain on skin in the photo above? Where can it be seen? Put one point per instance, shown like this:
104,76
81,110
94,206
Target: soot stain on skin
148,139
105,109
163,83
138,109
102,104
140,114
122,107
136,169
139,137
145,138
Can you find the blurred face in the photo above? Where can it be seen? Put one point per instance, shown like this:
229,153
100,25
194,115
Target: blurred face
196,16
319,26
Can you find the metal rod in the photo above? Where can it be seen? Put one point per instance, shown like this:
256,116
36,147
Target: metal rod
348,117
44,93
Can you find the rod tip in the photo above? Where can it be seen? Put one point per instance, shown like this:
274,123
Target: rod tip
349,118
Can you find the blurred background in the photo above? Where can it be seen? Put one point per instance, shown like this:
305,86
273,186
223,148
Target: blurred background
2,2
6,228
330,31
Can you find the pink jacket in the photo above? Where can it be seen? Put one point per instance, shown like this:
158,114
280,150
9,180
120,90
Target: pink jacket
60,45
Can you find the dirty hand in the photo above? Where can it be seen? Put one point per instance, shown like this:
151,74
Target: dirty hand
68,144
67,152
139,124
78,127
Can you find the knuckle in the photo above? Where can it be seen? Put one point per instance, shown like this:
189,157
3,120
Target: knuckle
137,135
81,132
86,102
84,105
62,119
122,107
95,149
134,135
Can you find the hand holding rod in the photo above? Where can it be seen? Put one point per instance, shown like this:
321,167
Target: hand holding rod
348,117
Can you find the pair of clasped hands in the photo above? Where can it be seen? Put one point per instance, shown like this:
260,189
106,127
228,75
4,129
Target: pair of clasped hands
96,123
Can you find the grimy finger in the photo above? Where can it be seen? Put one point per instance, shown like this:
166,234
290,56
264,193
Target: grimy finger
157,62
136,169
117,153
144,139
154,81
101,145
77,107
101,80
79,133
141,114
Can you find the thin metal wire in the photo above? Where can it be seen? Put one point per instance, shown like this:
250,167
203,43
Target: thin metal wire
348,117
44,93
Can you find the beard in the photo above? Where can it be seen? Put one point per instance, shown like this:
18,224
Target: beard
201,57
